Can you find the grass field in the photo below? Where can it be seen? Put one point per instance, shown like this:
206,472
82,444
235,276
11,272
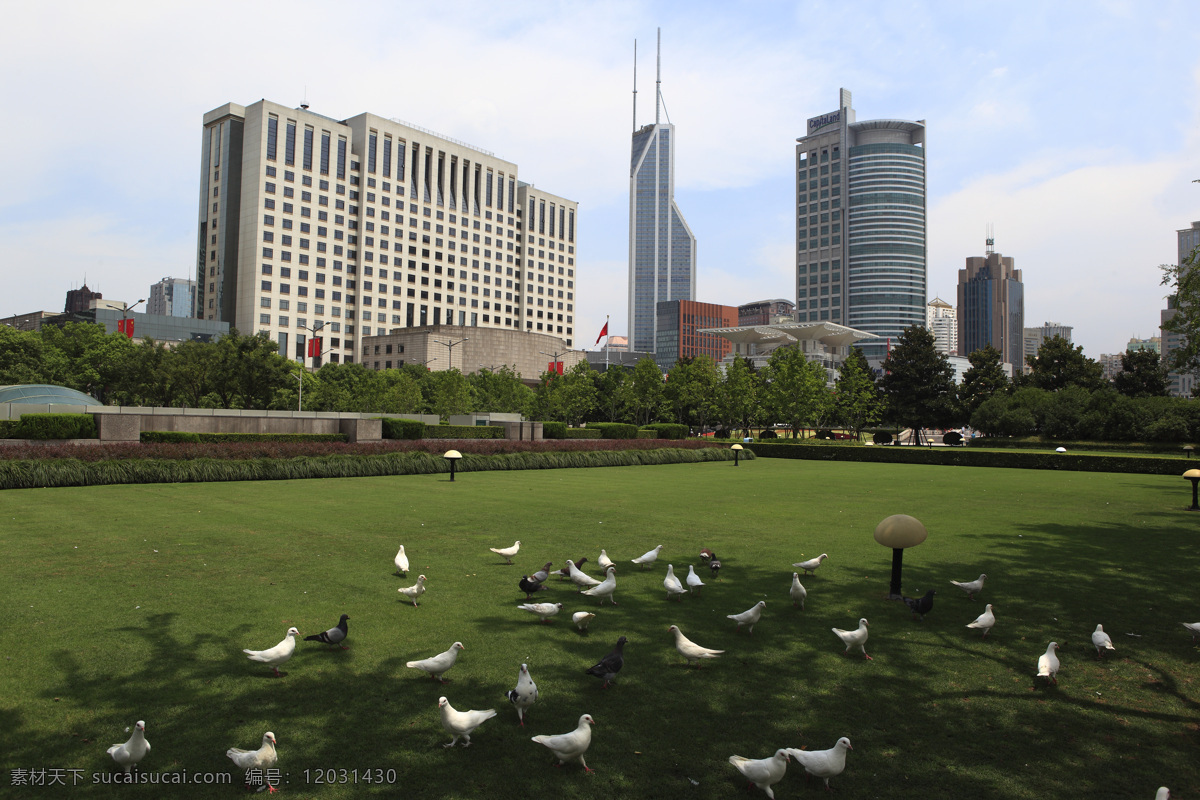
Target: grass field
134,602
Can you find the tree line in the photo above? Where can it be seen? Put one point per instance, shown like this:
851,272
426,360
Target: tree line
1064,395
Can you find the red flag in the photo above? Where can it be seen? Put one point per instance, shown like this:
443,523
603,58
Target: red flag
603,332
125,326
314,346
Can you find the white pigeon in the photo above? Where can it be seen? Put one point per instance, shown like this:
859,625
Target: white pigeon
1163,793
1048,664
525,695
811,565
763,772
689,649
1194,627
1102,641
264,757
582,618
607,587
693,580
461,723
414,591
824,764
648,558
439,664
604,562
507,552
279,654
579,577
569,746
672,584
798,592
855,638
972,588
748,617
132,751
544,573
984,621
544,610
401,562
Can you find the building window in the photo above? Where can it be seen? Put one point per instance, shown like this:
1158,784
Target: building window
272,136
289,145
308,151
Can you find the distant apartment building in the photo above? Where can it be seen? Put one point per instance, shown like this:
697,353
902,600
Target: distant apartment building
344,229
679,322
860,225
942,321
172,297
1110,365
1187,240
991,307
765,312
1036,337
1153,343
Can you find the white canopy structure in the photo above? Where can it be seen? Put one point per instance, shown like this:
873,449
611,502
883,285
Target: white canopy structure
824,342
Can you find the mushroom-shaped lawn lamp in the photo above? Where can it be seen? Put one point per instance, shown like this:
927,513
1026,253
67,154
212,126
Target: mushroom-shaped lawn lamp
1188,450
898,532
1193,475
452,456
737,452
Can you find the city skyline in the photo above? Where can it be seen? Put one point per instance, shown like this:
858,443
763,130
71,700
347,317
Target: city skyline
1029,131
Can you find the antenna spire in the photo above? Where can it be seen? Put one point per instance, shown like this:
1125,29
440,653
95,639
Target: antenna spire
635,84
990,241
658,82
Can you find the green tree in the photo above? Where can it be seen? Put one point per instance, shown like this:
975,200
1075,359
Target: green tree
795,390
1184,301
693,390
857,401
646,391
918,382
1141,375
569,397
23,357
452,393
1058,365
740,403
87,359
501,390
612,395
190,371
984,379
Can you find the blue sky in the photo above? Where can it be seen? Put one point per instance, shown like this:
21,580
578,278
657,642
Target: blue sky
1071,127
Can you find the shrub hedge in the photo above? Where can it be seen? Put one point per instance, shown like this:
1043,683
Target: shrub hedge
668,430
960,457
554,430
54,426
34,473
184,436
647,433
615,430
1001,442
464,432
402,428
582,433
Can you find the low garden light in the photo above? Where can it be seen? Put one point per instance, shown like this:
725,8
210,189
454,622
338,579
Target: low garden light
452,456
1188,450
1193,475
898,532
737,452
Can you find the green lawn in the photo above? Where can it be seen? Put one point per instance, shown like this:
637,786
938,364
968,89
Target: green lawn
134,602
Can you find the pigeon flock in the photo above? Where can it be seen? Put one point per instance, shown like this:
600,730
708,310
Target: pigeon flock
763,773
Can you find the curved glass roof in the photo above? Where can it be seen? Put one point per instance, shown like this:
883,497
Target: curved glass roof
42,393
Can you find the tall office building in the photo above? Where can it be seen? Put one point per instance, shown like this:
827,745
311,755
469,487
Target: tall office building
991,307
662,248
353,228
860,225
941,320
1181,385
678,323
80,299
172,297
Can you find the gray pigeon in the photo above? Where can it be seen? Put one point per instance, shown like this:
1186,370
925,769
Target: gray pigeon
335,635
608,667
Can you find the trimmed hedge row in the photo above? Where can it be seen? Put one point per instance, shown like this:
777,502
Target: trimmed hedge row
581,433
44,473
668,430
646,433
554,430
185,436
615,430
464,432
52,426
402,428
1000,442
960,457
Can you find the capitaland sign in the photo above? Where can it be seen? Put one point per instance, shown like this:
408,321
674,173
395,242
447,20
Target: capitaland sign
816,123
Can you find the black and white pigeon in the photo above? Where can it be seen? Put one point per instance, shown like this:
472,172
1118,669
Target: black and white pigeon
128,754
608,667
335,635
920,605
530,586
525,695
714,563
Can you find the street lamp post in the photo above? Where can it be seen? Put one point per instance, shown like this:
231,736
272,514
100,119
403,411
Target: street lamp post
556,357
450,345
320,326
124,326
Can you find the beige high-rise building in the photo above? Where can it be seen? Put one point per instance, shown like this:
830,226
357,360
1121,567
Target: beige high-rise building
941,320
349,229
